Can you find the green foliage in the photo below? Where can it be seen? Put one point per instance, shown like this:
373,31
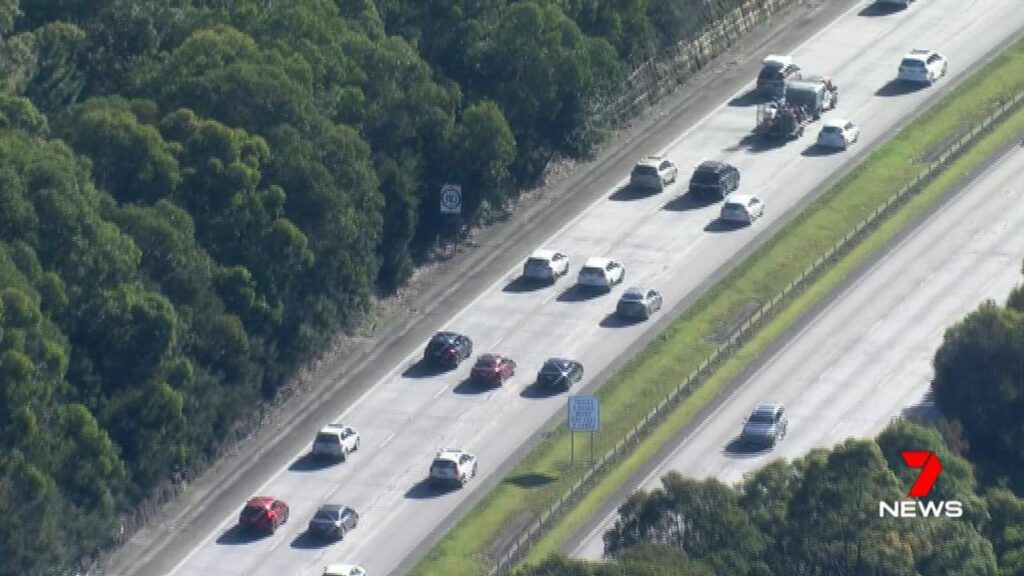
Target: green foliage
979,380
195,196
815,515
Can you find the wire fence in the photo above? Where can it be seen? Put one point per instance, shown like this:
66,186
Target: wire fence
529,536
653,79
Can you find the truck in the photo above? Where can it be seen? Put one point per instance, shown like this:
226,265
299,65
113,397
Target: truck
776,119
815,94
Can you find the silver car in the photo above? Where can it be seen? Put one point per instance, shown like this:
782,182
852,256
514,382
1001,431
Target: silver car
766,425
638,303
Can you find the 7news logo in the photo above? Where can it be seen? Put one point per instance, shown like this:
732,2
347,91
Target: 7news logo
930,467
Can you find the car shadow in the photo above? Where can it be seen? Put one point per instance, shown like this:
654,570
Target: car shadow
815,151
307,541
626,193
577,293
532,480
422,369
899,88
689,201
737,448
719,225
757,143
468,386
522,284
425,490
238,535
538,391
880,9
310,463
748,99
613,320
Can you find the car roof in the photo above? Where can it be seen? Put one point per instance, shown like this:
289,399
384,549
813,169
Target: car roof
333,427
777,60
739,199
650,161
543,254
835,123
450,454
634,292
918,54
339,569
597,262
712,165
769,407
261,501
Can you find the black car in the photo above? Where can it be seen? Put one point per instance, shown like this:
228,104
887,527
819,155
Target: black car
333,521
448,349
714,179
560,373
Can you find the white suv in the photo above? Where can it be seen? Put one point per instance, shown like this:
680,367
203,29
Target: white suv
653,172
922,66
546,265
742,208
453,466
336,441
601,273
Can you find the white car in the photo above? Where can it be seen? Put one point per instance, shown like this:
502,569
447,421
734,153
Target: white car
838,133
336,441
452,466
742,208
602,273
546,265
923,66
653,172
344,570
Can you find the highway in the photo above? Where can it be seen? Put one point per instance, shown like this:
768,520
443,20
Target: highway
867,357
663,240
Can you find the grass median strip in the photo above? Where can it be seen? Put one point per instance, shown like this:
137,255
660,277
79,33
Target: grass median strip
544,475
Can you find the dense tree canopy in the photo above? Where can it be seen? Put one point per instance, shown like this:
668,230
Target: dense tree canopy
816,515
195,196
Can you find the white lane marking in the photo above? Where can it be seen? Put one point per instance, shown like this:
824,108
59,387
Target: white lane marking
389,439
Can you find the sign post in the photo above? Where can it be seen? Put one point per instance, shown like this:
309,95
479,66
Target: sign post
584,415
451,214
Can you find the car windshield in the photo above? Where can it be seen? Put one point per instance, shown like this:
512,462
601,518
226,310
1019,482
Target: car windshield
761,418
327,515
326,438
591,270
832,129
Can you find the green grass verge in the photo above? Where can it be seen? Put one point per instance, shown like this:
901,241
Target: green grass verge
544,475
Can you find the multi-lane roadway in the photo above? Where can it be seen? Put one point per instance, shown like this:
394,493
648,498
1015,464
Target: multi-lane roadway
866,358
664,242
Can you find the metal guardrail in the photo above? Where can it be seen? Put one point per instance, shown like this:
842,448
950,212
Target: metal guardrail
521,545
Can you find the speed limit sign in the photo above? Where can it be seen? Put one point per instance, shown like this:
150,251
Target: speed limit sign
451,199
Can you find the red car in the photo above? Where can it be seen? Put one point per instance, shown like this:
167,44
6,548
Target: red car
493,369
263,514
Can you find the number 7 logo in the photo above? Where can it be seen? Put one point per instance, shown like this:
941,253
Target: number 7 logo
930,467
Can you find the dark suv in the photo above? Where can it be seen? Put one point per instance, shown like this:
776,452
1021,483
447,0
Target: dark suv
448,349
714,179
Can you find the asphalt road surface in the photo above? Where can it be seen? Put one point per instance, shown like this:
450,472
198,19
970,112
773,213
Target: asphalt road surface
867,357
665,241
